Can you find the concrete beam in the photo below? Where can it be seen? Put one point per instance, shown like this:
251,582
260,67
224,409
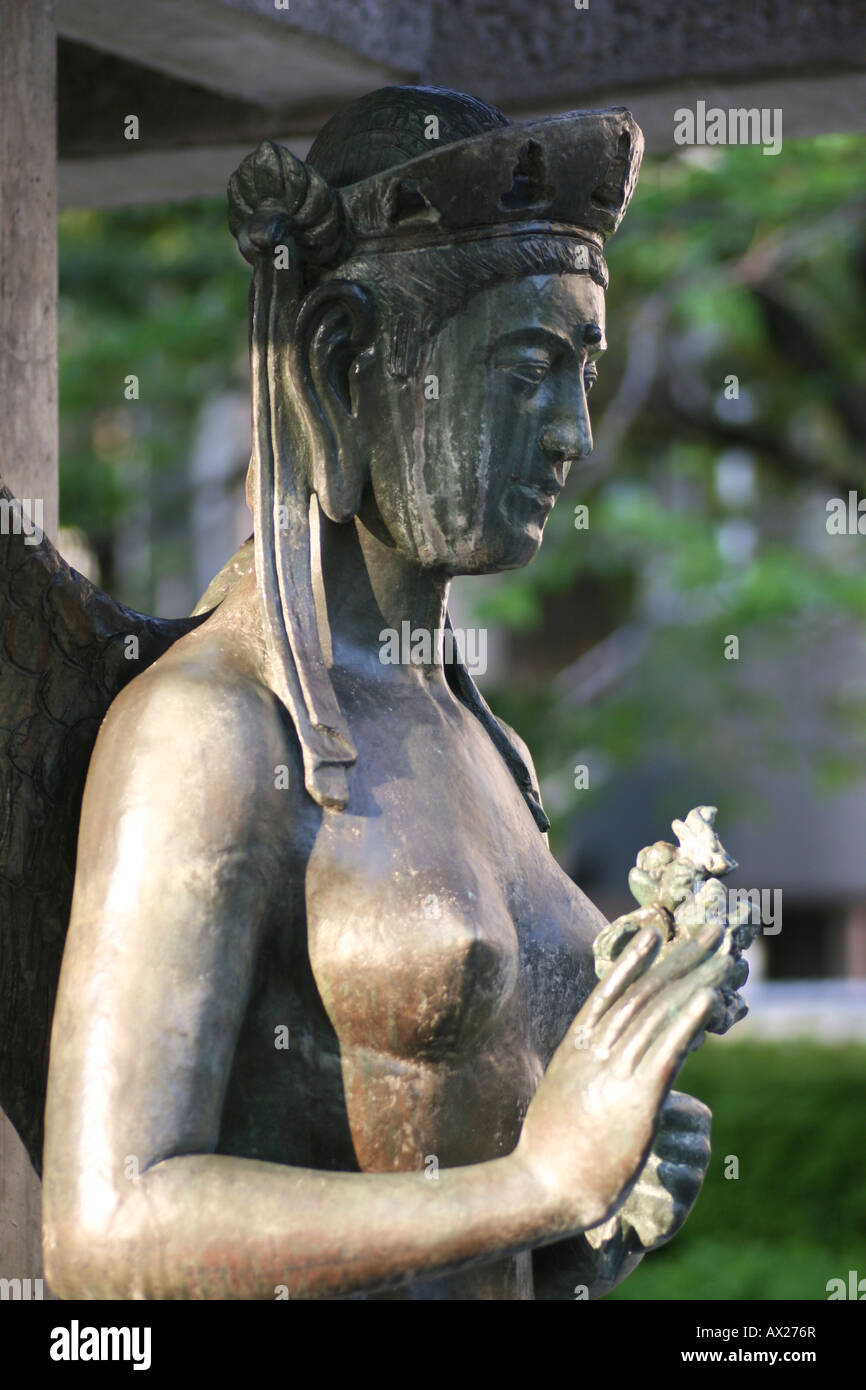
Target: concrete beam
546,54
553,56
159,175
97,91
28,413
28,255
189,139
191,151
251,50
208,79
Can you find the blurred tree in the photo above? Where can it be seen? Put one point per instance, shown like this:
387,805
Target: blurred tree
791,1214
158,294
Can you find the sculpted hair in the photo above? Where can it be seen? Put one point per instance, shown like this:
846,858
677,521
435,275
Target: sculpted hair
417,291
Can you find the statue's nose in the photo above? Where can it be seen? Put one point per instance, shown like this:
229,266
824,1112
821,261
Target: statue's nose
569,437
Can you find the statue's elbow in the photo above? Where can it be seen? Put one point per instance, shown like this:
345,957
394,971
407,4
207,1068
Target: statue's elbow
63,1265
83,1253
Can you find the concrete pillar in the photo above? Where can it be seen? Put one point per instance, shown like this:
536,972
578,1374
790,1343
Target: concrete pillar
20,1211
28,253
28,409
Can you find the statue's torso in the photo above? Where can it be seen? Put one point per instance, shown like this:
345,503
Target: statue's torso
424,957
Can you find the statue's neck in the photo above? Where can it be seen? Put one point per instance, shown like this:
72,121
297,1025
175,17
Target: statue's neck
365,588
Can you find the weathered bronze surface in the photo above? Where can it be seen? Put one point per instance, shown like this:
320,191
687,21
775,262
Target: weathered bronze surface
328,1022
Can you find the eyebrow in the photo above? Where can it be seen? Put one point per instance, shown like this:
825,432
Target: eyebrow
543,336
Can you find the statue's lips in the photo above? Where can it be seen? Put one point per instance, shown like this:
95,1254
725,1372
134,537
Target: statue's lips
542,494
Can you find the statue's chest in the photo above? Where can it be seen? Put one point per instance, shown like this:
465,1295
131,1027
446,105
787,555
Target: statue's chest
438,922
419,960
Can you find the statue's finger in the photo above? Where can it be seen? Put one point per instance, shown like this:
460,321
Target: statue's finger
682,1147
682,1181
682,961
663,1059
642,1032
684,1114
671,1182
628,968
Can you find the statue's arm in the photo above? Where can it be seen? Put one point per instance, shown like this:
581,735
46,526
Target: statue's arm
178,858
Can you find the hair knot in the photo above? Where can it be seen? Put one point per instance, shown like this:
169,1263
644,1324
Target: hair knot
273,196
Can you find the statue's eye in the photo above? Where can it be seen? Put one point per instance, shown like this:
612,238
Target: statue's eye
590,376
531,370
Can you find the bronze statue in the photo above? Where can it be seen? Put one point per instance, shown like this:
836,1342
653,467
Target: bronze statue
328,1022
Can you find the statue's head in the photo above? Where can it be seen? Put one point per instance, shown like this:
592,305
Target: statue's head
427,308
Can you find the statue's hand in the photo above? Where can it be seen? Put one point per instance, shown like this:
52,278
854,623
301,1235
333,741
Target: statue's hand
667,1189
589,1127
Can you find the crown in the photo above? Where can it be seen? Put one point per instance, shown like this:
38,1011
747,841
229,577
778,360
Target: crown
571,175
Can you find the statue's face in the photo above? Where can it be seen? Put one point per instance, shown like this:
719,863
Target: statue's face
471,454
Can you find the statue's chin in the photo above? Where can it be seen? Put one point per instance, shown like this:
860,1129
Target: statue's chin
525,546
508,545
512,558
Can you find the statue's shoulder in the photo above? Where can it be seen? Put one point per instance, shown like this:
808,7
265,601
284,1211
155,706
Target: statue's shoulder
201,715
191,679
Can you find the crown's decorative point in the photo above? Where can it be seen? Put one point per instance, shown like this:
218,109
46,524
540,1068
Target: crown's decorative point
528,188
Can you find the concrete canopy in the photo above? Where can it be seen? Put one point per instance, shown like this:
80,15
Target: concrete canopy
209,78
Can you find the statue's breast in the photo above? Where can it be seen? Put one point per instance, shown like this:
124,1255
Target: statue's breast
411,962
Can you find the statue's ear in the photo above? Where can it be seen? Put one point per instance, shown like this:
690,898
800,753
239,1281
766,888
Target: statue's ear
334,326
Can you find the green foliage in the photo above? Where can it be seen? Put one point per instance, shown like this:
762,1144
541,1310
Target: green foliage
159,293
792,1113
